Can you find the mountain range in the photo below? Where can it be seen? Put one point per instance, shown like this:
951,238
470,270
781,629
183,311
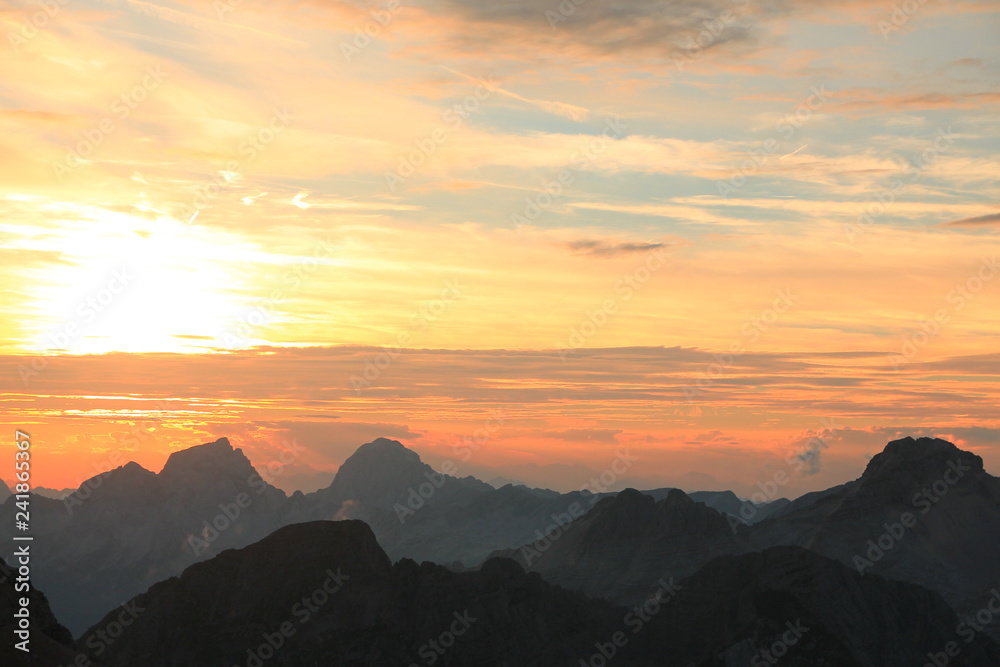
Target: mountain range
131,536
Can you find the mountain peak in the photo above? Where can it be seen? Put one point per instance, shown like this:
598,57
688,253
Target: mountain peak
919,458
384,447
677,497
207,459
376,472
130,473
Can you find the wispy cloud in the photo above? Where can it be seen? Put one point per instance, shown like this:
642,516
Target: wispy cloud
977,221
611,249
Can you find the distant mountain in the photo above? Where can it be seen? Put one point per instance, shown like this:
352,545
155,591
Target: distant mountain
385,484
419,513
629,540
49,643
730,504
126,529
55,494
4,491
325,593
924,511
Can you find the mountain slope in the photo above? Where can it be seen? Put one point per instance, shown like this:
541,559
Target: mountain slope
793,606
629,540
338,599
924,511
126,529
419,513
325,593
50,644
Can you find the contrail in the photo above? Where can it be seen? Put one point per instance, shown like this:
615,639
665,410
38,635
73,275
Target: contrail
793,152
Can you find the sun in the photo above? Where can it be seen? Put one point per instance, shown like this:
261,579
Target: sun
136,284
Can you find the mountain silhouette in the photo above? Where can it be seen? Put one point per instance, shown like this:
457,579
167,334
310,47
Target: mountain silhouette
128,528
49,642
325,593
341,602
923,511
628,540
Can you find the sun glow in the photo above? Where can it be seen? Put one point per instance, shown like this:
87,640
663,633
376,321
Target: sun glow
134,285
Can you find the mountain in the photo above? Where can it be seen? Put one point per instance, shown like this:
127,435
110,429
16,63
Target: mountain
729,503
419,513
126,529
55,494
339,601
49,643
790,606
923,511
4,491
325,593
382,472
129,528
629,540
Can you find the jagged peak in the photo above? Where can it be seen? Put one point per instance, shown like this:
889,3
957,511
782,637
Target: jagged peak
199,458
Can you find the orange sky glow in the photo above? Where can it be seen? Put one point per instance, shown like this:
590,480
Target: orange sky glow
776,250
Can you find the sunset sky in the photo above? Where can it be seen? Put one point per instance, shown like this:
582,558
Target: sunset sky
705,231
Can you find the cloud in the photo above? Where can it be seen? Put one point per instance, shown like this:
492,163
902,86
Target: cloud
597,30
585,434
609,249
978,221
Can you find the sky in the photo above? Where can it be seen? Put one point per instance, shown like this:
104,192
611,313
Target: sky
731,238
